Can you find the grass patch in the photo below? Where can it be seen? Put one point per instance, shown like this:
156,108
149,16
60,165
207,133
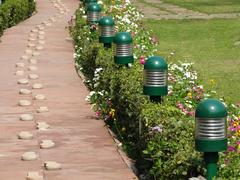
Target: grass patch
209,45
209,6
155,5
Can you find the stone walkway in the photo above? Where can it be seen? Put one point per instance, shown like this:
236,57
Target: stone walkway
156,9
37,61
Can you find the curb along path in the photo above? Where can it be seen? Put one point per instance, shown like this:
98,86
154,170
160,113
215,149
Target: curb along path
47,130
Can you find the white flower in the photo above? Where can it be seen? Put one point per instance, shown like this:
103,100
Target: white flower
74,55
87,98
223,165
96,85
92,93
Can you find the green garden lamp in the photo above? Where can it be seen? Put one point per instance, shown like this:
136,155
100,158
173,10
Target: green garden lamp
155,78
211,133
93,13
87,2
123,48
107,31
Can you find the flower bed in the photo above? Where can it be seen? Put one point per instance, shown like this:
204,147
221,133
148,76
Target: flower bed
159,137
14,11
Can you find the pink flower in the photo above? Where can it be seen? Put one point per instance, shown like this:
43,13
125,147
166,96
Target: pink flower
191,113
231,148
133,34
232,129
185,110
180,105
98,113
142,60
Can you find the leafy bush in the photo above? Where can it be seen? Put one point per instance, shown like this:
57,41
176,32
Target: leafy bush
14,11
160,137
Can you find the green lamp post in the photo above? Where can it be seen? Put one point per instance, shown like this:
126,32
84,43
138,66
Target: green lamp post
87,2
123,48
155,78
211,133
107,31
93,13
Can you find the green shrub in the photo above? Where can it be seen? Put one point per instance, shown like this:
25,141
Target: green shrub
14,11
160,137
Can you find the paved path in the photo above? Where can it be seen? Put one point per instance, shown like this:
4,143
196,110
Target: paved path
83,145
156,9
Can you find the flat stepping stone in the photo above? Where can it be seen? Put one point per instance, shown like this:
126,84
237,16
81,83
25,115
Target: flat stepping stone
26,117
20,64
47,144
49,24
39,97
41,32
24,57
25,91
29,156
42,109
52,19
33,76
33,61
32,35
32,68
37,86
36,53
31,45
39,47
28,51
51,165
34,176
34,30
32,39
23,81
40,27
41,37
41,42
25,135
43,126
19,73
44,22
24,103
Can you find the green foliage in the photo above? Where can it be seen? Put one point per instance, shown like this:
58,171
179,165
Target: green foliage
160,137
14,11
117,97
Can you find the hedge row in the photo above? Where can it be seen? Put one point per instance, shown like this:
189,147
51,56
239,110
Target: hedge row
160,137
14,11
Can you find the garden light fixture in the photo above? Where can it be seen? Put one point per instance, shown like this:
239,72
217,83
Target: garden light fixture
211,132
87,2
123,48
155,78
107,31
93,13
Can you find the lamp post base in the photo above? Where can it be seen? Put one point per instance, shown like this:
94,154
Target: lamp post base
107,45
156,99
211,159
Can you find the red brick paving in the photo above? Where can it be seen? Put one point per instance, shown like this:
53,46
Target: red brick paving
83,145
